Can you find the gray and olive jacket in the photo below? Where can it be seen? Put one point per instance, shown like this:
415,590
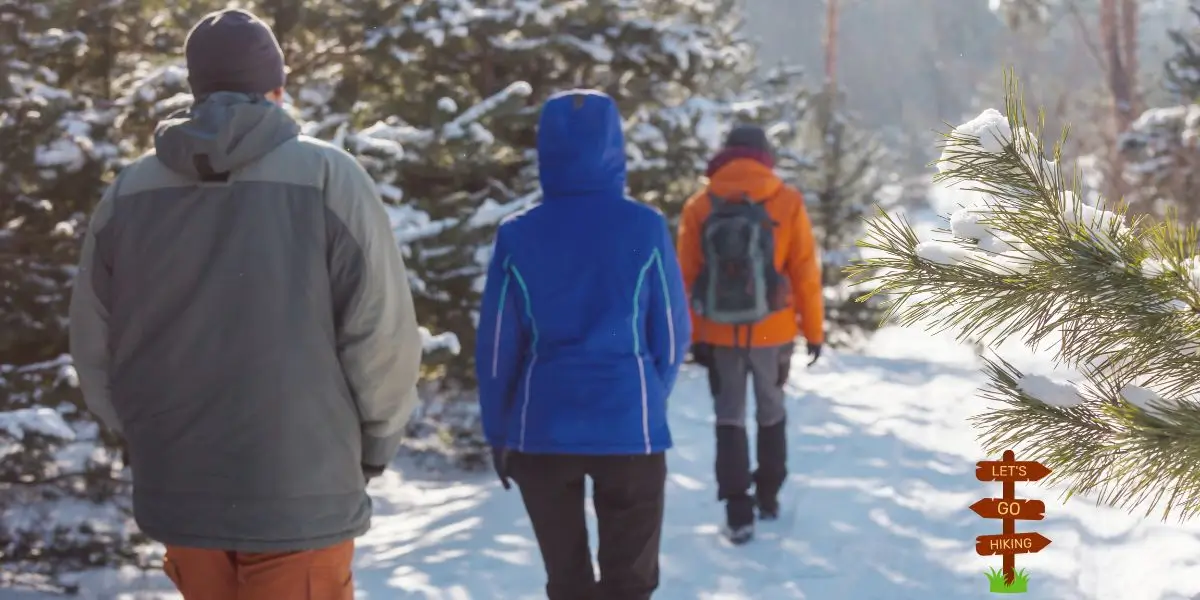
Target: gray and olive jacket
242,316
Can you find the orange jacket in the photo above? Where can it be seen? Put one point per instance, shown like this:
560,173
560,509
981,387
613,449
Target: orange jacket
795,255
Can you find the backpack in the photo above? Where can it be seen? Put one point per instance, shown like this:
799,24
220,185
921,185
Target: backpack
738,284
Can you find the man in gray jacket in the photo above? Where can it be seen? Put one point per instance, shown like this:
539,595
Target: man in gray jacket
242,317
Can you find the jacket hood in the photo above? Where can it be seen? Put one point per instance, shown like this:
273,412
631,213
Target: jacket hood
224,132
744,176
581,148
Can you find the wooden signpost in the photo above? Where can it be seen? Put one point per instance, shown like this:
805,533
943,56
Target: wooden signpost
1009,509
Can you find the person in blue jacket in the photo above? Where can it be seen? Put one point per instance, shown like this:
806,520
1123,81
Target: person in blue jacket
582,330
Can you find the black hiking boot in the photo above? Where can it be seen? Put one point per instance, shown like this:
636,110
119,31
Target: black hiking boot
768,510
738,535
733,483
739,519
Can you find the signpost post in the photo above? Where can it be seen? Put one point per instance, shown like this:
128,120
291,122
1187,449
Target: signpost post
1009,509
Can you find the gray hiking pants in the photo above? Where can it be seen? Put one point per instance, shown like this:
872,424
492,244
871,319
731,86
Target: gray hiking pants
768,368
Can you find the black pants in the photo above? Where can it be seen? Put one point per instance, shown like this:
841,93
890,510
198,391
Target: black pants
628,494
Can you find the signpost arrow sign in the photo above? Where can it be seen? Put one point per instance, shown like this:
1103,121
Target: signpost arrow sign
1010,471
999,508
1008,509
1010,543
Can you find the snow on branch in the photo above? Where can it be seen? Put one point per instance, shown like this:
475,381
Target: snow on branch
655,136
1117,301
17,423
445,342
411,225
488,107
390,137
1161,151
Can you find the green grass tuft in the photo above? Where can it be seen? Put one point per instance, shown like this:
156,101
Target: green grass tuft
996,584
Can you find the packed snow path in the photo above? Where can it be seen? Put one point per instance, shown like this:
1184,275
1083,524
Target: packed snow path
882,463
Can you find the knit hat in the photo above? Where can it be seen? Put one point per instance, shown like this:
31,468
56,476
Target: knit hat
748,136
743,141
232,50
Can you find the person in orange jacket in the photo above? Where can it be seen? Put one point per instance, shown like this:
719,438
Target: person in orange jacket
749,262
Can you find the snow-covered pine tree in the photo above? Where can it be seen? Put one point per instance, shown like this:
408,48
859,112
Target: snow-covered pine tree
775,100
666,63
1118,302
780,102
679,72
658,59
1023,13
445,177
1183,69
1162,147
846,180
60,475
444,143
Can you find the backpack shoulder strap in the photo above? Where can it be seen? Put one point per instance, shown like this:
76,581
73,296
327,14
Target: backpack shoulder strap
717,201
765,215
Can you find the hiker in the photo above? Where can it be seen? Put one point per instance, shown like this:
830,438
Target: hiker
750,267
582,330
242,318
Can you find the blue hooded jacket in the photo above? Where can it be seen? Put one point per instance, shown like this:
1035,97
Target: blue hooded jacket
584,320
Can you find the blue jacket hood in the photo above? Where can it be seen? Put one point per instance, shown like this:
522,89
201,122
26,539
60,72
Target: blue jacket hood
581,148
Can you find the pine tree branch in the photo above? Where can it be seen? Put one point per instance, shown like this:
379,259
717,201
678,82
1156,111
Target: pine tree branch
1117,302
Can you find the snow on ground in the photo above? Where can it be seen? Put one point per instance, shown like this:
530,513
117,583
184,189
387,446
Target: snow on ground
882,463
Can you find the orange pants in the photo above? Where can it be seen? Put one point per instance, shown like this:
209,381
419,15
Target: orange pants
323,574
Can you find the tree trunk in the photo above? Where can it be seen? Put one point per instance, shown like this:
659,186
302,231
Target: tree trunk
1118,38
1129,39
1119,84
830,43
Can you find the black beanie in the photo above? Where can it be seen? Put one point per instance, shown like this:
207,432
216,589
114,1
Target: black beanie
748,136
233,51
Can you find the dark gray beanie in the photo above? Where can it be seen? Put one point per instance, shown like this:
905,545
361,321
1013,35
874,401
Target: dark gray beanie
748,136
233,51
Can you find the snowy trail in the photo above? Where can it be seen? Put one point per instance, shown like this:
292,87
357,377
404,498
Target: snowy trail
882,473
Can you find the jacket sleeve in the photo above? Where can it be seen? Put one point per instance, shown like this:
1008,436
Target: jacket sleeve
500,344
89,314
378,341
688,243
804,271
668,323
691,258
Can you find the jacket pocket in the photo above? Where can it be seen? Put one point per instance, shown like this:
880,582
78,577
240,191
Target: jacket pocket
653,380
